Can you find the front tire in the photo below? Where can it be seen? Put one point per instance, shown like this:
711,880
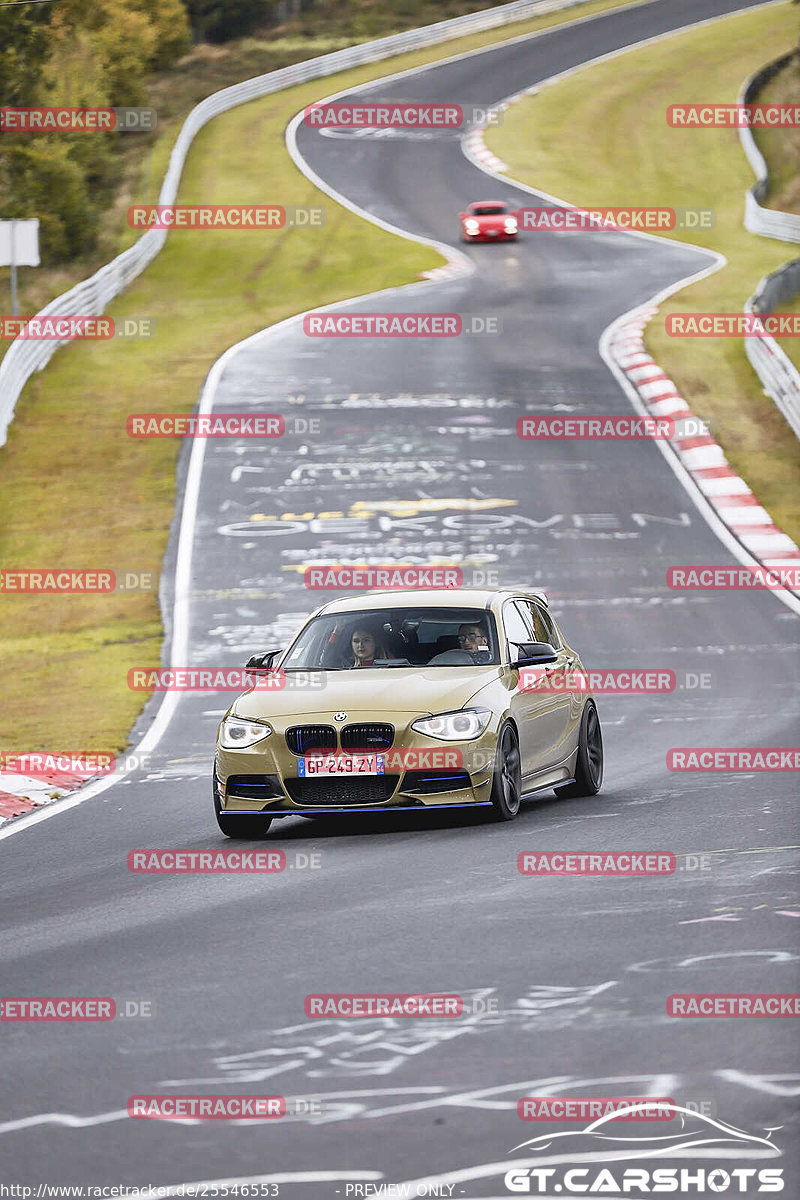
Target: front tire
248,827
589,764
506,794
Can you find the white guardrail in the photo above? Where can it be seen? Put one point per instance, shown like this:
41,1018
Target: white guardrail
90,296
779,376
769,222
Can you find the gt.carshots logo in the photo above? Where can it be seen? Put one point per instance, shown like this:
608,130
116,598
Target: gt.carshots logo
625,1181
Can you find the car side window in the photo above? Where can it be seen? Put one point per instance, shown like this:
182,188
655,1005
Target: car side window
548,625
516,629
541,622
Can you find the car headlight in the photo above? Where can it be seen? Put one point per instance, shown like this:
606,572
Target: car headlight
235,733
510,224
472,226
457,726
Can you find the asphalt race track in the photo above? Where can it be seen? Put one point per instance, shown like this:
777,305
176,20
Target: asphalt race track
419,458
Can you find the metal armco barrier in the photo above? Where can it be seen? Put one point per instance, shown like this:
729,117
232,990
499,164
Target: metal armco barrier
779,376
769,222
90,296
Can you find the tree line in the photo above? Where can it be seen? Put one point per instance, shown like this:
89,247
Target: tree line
96,55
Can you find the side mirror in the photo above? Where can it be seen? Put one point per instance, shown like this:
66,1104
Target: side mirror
532,654
259,664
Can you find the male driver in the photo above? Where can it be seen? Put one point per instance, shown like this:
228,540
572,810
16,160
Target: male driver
473,637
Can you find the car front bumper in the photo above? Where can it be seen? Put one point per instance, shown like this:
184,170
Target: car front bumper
483,235
421,772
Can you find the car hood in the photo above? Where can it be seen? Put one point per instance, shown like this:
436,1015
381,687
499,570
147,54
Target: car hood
417,690
495,221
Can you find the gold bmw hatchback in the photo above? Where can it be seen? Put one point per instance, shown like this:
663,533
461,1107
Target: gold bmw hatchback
397,701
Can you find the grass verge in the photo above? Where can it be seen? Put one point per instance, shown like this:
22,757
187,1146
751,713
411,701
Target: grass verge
612,118
781,147
76,491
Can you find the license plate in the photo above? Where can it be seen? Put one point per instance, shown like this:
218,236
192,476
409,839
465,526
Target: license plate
342,764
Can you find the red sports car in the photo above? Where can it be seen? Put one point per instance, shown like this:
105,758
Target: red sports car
488,221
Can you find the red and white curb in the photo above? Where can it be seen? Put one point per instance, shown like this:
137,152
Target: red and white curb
475,144
443,274
20,794
727,493
476,147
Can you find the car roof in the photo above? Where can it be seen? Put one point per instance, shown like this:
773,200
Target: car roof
428,598
474,202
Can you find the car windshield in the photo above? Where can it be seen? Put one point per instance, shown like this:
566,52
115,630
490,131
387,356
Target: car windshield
396,637
488,210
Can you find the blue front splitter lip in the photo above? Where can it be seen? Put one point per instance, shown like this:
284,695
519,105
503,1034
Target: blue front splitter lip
353,809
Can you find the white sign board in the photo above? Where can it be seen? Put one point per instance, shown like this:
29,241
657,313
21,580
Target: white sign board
25,243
